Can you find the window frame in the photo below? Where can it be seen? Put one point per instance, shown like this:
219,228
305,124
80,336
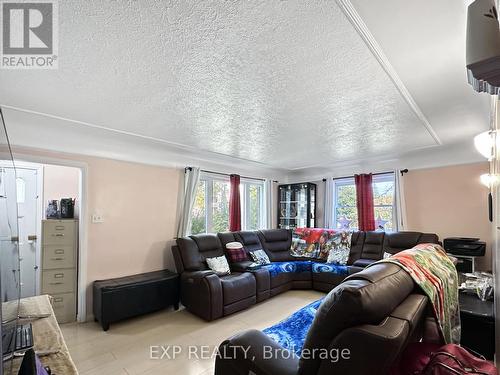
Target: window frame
210,178
347,181
245,183
387,177
339,182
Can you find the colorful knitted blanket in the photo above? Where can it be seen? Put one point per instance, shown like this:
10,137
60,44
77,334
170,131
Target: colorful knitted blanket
435,273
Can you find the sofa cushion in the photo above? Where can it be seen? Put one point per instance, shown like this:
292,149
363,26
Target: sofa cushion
373,245
357,240
249,239
237,286
226,237
190,255
276,243
399,241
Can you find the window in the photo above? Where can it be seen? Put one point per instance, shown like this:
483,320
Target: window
383,201
252,205
210,212
345,210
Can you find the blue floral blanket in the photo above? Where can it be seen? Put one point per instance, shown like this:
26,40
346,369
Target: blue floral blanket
291,332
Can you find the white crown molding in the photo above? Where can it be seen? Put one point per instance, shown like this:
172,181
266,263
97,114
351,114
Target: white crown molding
360,26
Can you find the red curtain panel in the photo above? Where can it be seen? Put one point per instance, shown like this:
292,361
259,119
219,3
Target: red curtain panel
364,201
234,204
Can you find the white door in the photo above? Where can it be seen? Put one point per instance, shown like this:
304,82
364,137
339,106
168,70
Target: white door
8,236
26,183
27,210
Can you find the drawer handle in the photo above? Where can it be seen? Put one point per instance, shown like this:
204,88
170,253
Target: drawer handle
58,275
59,251
58,235
59,227
58,300
58,283
57,258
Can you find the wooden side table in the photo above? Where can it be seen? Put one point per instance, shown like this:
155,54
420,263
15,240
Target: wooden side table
478,324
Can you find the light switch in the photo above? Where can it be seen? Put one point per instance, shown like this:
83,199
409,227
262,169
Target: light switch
97,218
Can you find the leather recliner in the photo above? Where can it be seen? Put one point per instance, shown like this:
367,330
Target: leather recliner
371,317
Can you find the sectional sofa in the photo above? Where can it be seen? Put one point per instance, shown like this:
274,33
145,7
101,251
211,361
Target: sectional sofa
210,296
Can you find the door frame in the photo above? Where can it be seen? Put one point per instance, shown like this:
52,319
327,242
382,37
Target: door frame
39,213
23,157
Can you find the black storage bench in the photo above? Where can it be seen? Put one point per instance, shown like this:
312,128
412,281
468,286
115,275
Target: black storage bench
125,297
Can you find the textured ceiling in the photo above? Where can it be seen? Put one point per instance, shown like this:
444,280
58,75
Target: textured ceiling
290,84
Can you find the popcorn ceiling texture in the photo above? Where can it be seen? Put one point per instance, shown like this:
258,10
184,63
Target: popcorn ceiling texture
285,83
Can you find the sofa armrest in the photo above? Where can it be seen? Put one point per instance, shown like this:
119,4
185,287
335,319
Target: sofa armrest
241,266
201,293
254,351
384,341
363,262
197,275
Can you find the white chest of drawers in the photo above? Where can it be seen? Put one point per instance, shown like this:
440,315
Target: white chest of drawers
59,266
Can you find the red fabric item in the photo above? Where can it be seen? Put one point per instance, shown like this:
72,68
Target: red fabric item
237,255
364,202
234,204
312,235
433,359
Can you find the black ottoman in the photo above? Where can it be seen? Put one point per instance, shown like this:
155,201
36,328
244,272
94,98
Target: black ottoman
125,297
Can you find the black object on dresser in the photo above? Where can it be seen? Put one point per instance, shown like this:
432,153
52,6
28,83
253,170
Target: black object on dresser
478,325
126,297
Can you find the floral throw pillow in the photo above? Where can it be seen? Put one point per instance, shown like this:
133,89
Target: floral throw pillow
219,265
260,257
340,248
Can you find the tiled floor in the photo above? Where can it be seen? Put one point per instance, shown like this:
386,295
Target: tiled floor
125,349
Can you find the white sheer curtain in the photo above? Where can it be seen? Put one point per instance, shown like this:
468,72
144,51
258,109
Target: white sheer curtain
269,203
329,204
399,205
187,197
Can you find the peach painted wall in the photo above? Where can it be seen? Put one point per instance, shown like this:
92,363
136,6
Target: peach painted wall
451,202
139,206
60,182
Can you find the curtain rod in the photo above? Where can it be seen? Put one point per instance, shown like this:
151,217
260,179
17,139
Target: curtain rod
402,171
228,174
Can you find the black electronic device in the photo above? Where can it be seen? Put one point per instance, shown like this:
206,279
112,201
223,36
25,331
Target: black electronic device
464,246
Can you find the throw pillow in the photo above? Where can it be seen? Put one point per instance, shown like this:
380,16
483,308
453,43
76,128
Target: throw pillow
387,255
219,265
260,257
310,242
338,256
236,252
340,248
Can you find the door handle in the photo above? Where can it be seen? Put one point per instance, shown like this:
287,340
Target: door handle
32,237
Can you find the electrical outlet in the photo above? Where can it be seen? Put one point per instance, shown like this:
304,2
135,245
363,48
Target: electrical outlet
97,218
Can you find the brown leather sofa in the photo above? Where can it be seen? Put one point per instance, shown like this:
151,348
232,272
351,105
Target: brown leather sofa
370,318
211,296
